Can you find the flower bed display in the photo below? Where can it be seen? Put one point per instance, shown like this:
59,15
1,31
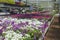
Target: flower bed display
37,16
22,29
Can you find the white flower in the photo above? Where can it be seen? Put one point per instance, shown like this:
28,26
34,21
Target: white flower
9,27
6,39
13,39
5,19
1,27
12,19
14,33
8,36
30,22
14,36
17,37
27,35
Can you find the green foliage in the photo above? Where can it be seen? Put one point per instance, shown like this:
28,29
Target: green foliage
41,9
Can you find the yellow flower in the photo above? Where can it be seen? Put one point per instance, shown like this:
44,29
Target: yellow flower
7,1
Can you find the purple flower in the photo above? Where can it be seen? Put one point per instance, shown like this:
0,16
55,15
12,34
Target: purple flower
7,22
41,26
45,25
4,27
22,24
43,31
15,27
27,23
3,38
25,31
34,37
12,22
1,31
1,24
33,25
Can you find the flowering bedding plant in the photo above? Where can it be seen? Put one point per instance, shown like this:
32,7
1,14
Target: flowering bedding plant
21,29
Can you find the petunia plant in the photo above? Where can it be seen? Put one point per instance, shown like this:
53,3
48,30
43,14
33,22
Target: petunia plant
21,29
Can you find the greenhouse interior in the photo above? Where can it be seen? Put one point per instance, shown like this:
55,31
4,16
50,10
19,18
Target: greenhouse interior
29,19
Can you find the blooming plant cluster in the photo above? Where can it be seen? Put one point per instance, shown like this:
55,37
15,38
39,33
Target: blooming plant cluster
21,29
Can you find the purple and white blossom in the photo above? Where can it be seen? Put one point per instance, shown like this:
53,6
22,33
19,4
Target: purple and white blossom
18,29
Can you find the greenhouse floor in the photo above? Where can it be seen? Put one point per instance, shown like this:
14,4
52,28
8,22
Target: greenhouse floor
54,31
